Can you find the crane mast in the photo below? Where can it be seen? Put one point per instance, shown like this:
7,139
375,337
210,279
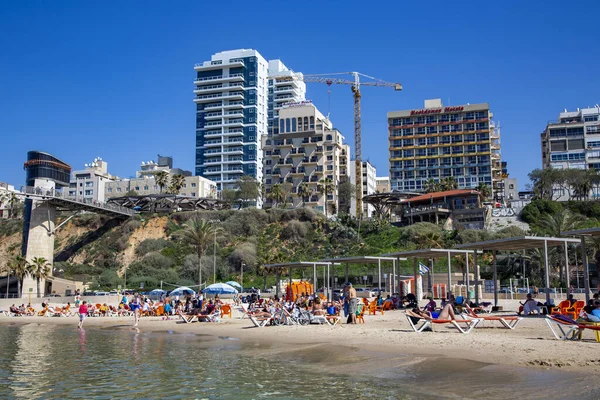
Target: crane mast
355,85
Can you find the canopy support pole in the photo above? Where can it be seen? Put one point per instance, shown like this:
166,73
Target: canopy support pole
467,277
586,271
393,277
278,284
315,280
476,272
328,283
430,278
347,273
567,268
547,272
415,269
379,267
449,274
495,278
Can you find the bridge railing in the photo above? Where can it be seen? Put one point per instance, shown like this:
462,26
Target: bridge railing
60,195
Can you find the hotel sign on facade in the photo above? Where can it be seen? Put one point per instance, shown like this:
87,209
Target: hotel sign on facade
428,111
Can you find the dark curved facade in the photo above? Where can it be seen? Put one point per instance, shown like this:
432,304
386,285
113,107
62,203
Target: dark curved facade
40,165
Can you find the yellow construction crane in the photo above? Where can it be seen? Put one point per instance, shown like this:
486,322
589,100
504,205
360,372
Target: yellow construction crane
355,84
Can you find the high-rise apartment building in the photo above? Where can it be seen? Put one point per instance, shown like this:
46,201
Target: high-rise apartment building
369,186
304,150
231,116
236,104
439,142
573,141
284,88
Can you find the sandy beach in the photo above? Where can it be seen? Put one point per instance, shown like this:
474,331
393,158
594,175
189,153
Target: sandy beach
530,345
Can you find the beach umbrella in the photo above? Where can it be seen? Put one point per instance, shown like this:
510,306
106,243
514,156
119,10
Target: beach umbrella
158,292
219,288
181,291
234,284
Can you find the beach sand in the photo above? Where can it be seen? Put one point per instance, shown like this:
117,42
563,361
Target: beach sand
387,338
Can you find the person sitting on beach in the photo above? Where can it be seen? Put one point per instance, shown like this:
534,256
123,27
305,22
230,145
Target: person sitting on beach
317,308
529,306
30,310
210,307
431,306
22,309
15,310
571,299
103,309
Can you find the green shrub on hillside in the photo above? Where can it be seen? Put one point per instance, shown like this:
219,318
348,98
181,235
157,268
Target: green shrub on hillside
150,245
533,211
10,226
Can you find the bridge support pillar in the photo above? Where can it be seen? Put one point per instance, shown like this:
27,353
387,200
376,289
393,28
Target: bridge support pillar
38,237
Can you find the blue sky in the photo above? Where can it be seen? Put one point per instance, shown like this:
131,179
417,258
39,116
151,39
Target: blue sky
115,79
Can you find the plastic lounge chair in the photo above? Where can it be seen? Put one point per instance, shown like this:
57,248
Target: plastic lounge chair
565,328
574,310
561,309
470,324
260,322
225,310
360,312
318,319
509,321
188,319
333,319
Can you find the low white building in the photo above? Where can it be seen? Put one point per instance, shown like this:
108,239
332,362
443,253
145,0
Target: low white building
7,193
383,184
88,185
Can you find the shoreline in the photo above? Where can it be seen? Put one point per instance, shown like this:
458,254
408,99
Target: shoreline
531,345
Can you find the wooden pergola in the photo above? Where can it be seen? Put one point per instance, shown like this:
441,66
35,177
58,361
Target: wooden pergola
520,243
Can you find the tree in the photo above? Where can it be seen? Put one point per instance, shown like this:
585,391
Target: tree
39,269
304,192
198,233
326,186
230,195
248,188
485,190
176,184
20,269
276,195
431,186
429,240
162,180
448,184
346,192
131,193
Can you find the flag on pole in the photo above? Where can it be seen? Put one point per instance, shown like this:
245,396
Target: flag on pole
423,269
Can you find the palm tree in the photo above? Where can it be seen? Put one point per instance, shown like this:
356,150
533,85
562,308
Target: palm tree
162,179
198,233
276,195
39,269
448,184
325,186
177,182
20,269
431,186
304,191
485,190
429,240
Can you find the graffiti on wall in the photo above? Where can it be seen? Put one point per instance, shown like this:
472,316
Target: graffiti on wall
503,212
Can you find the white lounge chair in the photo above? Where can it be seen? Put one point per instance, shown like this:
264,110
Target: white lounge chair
260,322
430,322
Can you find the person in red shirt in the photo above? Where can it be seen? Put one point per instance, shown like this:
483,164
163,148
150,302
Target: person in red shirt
83,310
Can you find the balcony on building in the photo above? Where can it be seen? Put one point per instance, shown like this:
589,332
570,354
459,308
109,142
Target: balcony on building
234,104
220,78
219,64
213,115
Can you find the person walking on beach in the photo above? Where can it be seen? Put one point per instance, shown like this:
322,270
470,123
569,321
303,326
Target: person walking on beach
353,304
135,307
83,310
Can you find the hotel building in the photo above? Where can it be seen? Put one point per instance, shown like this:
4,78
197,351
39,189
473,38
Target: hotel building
237,104
88,185
439,142
303,150
573,141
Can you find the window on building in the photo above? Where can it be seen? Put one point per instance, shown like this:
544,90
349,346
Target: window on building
312,123
281,125
288,125
118,190
137,188
293,124
305,123
145,187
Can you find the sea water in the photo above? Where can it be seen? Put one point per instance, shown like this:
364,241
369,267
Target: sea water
62,362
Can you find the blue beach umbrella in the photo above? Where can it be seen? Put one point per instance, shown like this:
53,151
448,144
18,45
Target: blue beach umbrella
181,291
234,284
219,288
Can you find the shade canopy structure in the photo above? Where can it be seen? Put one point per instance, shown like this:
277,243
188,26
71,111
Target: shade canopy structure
522,243
182,291
582,233
219,288
440,253
298,264
367,260
235,285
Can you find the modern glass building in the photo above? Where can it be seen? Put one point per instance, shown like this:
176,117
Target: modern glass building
40,165
231,116
439,142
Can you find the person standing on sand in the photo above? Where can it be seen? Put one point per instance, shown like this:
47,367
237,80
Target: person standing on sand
83,310
135,307
352,305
